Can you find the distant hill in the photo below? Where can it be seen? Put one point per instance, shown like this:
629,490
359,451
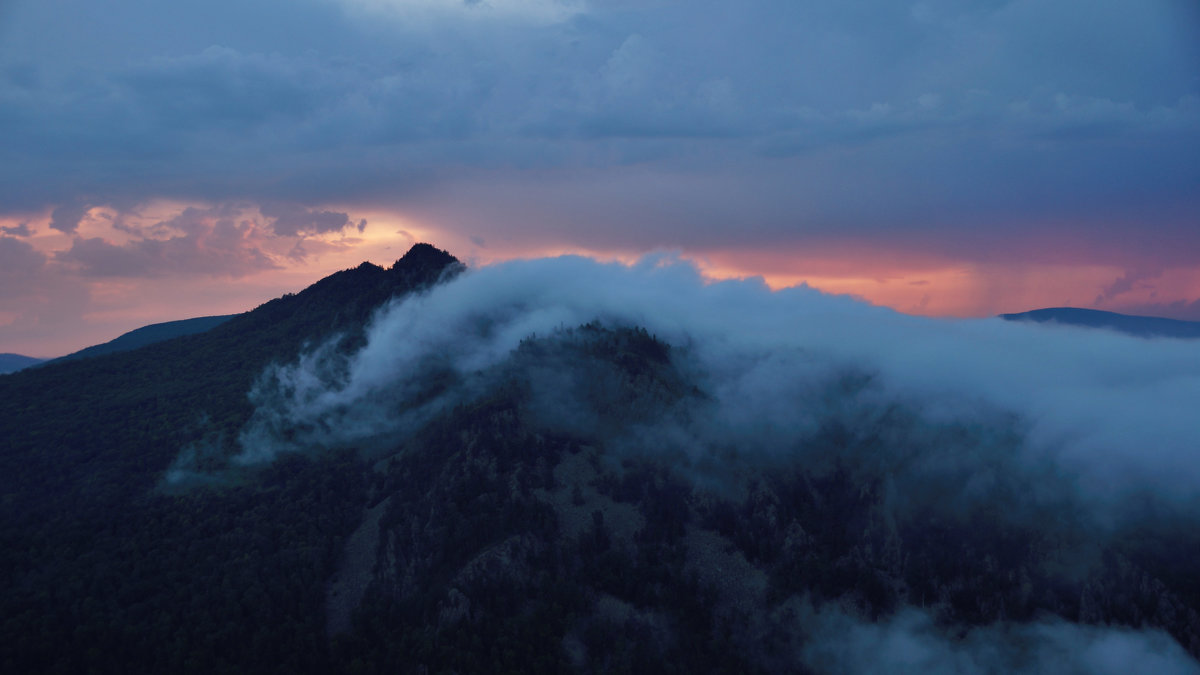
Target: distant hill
11,363
148,335
1140,326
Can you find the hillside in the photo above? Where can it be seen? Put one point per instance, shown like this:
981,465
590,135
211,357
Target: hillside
10,363
475,478
1140,326
148,335
88,538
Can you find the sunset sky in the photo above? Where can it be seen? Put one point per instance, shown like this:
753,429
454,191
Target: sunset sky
163,160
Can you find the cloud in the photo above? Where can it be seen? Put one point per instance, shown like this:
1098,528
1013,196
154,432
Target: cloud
1069,435
20,263
910,642
208,242
1113,414
1180,309
292,220
970,132
1125,283
66,217
533,11
35,301
222,88
21,230
155,261
232,239
917,97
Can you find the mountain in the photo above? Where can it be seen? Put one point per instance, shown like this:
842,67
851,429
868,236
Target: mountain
10,363
148,335
92,549
394,470
1140,326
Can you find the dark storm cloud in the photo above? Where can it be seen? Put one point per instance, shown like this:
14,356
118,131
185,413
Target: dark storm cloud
222,88
939,116
21,230
66,218
292,220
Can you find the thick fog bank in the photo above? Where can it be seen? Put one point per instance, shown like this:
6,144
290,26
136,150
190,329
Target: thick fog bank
1112,415
910,643
1072,434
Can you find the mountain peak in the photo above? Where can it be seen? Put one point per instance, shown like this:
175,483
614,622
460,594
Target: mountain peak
424,257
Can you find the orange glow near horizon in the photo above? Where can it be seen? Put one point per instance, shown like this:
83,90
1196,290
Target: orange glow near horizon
951,288
906,279
911,282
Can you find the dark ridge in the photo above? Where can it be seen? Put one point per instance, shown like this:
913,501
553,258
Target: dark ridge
68,423
1140,326
341,303
148,335
11,363
424,259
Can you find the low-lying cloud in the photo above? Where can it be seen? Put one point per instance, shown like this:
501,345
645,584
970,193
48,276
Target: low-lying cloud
1113,413
910,643
1053,430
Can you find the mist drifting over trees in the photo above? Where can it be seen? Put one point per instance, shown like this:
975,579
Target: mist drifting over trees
561,465
1069,438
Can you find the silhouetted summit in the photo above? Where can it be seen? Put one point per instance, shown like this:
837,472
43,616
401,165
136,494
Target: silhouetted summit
341,302
423,260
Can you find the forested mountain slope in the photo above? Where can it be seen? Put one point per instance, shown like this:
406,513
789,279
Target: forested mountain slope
478,481
101,570
148,335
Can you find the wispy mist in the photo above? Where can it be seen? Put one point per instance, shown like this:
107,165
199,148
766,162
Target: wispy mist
1113,413
910,642
1070,434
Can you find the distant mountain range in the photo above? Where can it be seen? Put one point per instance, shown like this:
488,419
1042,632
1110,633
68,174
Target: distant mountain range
1141,326
11,363
148,335
134,339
